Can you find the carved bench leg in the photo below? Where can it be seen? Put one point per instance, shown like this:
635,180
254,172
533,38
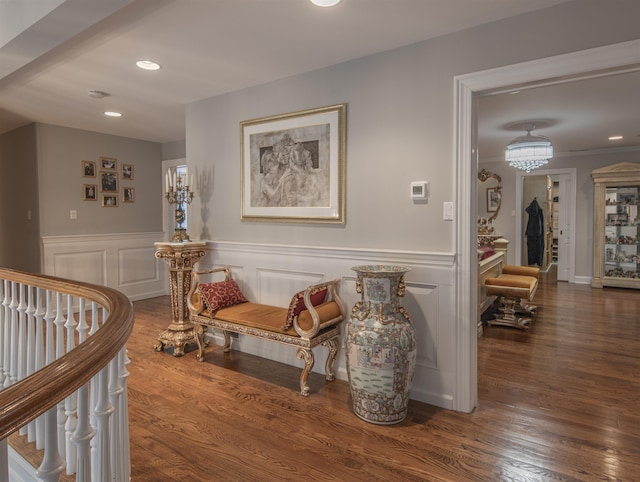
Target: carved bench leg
307,356
199,332
227,341
332,345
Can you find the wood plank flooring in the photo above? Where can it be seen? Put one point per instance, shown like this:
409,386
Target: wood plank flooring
560,402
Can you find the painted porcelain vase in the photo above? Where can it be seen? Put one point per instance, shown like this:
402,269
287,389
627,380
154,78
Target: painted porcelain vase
381,345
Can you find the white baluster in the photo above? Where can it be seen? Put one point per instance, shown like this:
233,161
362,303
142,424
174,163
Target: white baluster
31,350
123,418
115,392
21,347
52,464
93,397
13,336
70,403
39,360
2,323
59,323
4,460
84,432
101,469
6,335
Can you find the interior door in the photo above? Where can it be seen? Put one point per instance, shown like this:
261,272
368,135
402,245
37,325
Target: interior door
564,227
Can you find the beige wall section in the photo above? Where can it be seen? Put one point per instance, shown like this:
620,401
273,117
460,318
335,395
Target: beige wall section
19,226
60,152
399,127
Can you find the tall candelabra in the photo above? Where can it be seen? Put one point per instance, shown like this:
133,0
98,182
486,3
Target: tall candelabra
179,193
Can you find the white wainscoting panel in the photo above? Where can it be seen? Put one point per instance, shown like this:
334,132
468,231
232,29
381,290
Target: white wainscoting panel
272,274
125,262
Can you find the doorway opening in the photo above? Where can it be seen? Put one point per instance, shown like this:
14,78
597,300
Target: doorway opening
562,68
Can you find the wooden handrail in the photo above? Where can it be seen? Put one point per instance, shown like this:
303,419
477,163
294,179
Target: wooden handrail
25,400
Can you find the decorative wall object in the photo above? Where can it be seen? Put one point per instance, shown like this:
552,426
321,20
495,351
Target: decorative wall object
381,344
108,181
110,200
89,192
108,163
293,166
493,199
128,195
127,172
88,169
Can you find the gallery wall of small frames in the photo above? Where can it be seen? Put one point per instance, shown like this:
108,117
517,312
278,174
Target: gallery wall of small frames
107,182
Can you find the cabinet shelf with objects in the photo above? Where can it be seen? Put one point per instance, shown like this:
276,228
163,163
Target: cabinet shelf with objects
617,226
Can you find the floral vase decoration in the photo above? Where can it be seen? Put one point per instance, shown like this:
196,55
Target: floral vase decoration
381,345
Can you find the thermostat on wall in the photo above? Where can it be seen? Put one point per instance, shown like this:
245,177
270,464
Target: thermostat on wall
419,189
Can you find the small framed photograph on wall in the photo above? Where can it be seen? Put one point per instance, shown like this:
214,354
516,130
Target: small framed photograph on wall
110,200
127,172
108,163
89,192
128,195
88,169
108,181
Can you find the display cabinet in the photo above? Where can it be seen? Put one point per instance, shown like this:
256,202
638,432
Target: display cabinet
616,226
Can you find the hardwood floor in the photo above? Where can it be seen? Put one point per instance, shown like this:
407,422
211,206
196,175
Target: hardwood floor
560,402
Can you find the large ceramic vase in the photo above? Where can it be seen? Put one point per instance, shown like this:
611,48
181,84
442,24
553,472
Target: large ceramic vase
381,345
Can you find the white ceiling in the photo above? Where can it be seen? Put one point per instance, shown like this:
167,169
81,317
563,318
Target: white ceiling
210,47
578,116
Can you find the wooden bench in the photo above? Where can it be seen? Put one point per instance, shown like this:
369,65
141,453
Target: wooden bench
516,283
312,326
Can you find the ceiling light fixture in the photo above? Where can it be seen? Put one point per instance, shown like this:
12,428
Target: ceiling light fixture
111,113
98,94
615,138
325,3
529,152
148,65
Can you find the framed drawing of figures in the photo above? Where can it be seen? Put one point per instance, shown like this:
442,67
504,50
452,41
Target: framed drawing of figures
293,167
88,169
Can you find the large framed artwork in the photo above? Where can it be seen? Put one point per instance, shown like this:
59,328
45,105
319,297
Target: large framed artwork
293,166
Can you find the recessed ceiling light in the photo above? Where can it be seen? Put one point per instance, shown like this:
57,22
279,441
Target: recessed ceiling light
148,65
98,94
615,138
325,3
111,113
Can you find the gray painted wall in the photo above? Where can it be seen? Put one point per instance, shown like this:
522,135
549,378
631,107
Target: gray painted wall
399,127
584,164
19,235
60,152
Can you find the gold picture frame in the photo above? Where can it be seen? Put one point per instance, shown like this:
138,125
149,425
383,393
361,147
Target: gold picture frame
88,169
126,172
110,200
108,164
89,192
293,166
108,181
128,195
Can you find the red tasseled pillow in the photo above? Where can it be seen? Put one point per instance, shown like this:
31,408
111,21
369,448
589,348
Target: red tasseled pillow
297,304
221,294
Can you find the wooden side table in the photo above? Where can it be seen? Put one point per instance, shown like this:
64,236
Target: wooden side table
180,257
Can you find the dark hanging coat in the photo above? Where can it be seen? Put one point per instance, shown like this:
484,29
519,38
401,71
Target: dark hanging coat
535,234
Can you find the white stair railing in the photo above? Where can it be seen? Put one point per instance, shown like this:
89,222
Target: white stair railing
63,375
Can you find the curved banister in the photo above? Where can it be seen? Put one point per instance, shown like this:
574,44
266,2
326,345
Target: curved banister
30,397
